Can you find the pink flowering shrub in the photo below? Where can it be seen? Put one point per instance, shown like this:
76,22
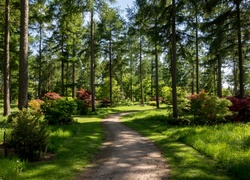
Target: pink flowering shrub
208,109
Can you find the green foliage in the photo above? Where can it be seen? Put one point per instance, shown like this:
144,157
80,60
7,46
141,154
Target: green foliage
208,109
181,96
28,136
82,107
59,111
11,168
125,102
152,103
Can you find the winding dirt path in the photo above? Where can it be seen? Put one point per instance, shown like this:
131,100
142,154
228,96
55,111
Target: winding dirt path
126,155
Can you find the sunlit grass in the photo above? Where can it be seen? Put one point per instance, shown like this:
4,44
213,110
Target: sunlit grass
74,146
185,162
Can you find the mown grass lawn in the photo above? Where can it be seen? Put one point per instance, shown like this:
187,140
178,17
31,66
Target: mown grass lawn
197,152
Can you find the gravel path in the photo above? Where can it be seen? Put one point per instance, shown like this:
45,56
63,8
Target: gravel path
126,155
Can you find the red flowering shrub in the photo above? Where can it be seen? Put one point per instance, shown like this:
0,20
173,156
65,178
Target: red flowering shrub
241,108
84,95
208,109
52,96
154,99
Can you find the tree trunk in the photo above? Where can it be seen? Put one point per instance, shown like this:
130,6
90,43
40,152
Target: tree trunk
74,71
67,77
241,63
235,75
197,56
40,63
219,81
23,61
73,80
156,77
7,60
141,83
110,68
193,71
92,64
174,63
131,79
62,65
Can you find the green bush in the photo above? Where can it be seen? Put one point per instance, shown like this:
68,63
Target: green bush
82,107
125,102
152,103
59,111
208,109
28,136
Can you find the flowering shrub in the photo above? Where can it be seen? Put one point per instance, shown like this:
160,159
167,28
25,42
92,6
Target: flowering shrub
35,104
51,96
84,95
240,108
208,109
154,99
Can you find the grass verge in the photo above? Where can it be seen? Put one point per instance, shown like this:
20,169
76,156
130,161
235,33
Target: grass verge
179,146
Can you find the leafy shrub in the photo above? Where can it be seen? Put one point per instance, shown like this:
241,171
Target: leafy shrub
152,103
159,98
59,111
125,102
240,108
28,136
208,109
35,104
51,96
82,107
181,96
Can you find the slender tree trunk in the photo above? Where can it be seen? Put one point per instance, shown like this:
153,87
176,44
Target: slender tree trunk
62,65
7,60
67,77
74,71
73,80
197,56
131,79
152,79
193,71
235,75
141,81
174,63
40,63
23,62
92,64
241,68
156,77
110,68
219,81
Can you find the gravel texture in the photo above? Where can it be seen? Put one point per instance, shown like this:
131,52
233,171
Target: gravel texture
126,155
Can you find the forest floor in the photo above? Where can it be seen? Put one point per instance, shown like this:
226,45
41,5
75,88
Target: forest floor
126,155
